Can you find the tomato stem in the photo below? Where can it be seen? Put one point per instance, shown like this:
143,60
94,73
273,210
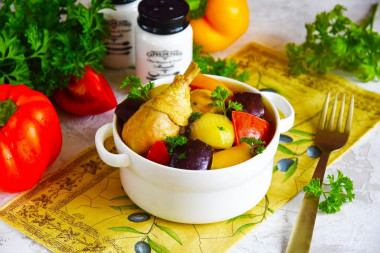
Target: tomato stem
7,109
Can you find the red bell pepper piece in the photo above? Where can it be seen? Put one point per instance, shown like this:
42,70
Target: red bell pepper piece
158,153
248,125
30,137
87,96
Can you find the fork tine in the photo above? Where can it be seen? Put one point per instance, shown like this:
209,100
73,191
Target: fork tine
332,115
322,118
349,116
340,119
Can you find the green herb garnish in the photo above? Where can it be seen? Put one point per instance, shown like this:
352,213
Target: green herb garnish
257,146
138,91
181,156
333,41
219,95
221,128
194,116
43,50
174,142
219,67
334,198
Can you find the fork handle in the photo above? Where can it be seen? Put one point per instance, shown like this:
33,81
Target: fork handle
302,233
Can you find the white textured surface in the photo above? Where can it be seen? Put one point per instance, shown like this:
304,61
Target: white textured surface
355,229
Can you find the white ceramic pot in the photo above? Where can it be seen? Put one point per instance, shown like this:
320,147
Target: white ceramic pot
197,197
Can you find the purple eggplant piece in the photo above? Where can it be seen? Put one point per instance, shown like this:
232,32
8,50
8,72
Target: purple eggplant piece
252,102
127,108
194,155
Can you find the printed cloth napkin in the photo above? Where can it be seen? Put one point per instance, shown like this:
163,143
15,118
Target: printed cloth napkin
83,208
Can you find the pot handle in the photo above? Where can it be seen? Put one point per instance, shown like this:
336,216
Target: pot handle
114,160
285,107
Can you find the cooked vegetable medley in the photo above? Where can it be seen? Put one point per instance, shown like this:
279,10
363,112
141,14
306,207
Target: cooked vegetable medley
195,123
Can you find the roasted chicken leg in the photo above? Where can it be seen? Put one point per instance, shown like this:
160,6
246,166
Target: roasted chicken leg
161,116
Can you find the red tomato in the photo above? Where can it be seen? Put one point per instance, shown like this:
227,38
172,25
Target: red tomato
30,139
248,125
87,96
158,153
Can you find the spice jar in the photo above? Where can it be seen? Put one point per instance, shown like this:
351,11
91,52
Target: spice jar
164,39
120,45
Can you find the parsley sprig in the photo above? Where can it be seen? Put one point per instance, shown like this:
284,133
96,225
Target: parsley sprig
257,146
175,141
220,67
333,41
340,191
194,116
219,95
138,91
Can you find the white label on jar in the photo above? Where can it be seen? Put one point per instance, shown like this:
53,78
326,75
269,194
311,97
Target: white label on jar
163,63
119,42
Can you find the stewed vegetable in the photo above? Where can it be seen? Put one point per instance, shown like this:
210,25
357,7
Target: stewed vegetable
127,108
193,155
213,129
252,102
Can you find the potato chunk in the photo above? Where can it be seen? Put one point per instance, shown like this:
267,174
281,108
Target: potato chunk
214,129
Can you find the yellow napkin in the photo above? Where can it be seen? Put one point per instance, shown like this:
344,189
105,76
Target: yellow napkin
84,208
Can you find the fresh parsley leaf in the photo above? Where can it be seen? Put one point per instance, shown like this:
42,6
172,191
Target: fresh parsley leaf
181,156
174,142
219,95
194,116
219,67
333,41
340,191
314,187
131,80
235,106
221,128
138,91
257,146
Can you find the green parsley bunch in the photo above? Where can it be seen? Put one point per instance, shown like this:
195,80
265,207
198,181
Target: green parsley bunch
43,43
333,41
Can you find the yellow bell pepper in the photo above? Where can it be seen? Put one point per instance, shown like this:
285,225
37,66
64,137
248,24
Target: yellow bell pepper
223,23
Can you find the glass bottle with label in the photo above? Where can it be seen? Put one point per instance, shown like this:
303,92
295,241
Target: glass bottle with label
164,39
121,46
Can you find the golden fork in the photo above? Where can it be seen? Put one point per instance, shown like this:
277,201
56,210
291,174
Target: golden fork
328,140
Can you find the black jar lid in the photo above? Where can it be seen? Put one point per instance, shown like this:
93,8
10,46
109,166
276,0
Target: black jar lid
163,16
116,2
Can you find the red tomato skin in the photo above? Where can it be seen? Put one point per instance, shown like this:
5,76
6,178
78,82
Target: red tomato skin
248,125
88,96
30,141
158,153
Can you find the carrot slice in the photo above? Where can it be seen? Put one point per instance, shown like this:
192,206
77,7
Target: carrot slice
202,81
